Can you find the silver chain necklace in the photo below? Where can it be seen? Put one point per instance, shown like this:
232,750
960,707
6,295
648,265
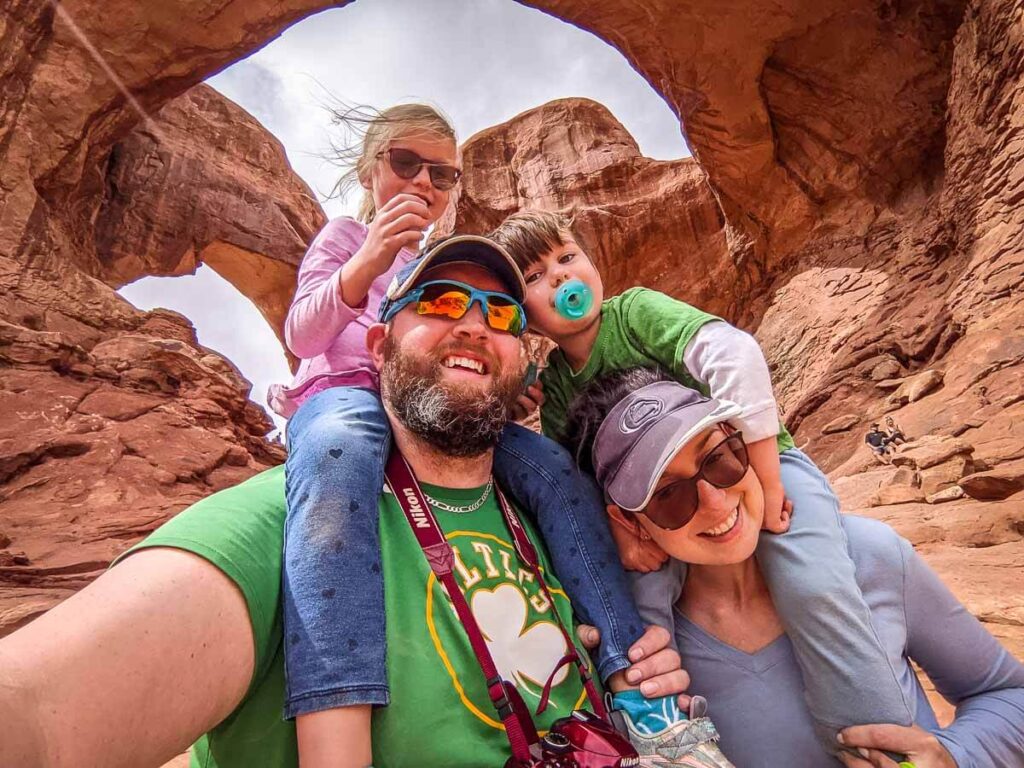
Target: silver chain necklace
463,509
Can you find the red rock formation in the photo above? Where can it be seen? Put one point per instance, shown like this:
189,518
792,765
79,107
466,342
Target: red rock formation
645,221
116,419
197,192
886,272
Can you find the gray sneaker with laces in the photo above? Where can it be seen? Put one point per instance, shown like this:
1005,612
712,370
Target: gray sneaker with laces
692,743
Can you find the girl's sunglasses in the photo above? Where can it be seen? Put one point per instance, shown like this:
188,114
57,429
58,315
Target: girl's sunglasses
674,506
452,299
406,164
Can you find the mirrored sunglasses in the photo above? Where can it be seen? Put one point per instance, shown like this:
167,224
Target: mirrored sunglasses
452,299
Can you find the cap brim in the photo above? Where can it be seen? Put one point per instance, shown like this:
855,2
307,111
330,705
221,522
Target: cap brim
638,474
470,249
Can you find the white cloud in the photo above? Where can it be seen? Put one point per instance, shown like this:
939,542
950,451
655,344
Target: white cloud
481,61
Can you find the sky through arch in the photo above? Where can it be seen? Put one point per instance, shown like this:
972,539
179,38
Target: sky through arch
481,61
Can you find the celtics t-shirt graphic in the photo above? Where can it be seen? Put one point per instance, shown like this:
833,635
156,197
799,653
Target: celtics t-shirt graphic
430,661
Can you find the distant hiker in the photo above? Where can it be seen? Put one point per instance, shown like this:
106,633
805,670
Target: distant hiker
878,441
894,432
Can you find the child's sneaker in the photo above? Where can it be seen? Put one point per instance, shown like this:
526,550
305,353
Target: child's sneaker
663,735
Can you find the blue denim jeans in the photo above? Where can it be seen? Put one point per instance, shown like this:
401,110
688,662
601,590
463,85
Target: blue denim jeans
335,651
848,679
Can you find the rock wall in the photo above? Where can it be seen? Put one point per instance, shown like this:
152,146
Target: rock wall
116,419
646,221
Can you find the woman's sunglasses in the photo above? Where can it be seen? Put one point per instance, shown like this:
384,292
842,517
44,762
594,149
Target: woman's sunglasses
674,506
406,164
452,299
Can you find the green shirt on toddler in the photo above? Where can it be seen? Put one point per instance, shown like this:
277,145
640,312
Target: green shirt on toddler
639,328
440,713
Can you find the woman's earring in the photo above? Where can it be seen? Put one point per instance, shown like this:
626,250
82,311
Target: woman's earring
640,532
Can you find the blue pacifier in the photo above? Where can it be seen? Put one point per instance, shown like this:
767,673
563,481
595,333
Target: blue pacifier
573,299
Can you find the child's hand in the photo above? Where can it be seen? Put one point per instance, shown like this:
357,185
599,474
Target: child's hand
656,668
398,224
529,401
635,552
778,510
764,460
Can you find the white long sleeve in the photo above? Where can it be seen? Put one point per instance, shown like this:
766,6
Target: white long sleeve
730,363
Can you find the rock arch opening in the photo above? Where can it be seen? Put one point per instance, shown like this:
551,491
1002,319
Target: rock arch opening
525,59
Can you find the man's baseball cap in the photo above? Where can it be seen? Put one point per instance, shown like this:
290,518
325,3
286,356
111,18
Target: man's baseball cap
457,249
643,433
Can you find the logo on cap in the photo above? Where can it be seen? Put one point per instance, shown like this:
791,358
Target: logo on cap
640,413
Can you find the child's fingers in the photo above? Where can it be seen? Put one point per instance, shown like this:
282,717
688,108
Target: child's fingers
525,406
402,217
537,393
411,239
653,556
403,199
589,636
407,222
774,517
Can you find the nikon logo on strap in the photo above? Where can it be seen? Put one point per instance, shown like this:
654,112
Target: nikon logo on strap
415,510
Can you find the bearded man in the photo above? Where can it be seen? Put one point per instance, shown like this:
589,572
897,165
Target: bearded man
182,641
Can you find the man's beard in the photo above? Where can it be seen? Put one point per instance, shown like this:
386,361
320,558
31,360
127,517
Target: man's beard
460,421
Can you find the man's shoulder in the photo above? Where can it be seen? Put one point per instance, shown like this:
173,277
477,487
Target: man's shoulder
263,493
237,528
240,531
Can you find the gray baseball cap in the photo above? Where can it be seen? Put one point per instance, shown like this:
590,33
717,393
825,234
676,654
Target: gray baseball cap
642,434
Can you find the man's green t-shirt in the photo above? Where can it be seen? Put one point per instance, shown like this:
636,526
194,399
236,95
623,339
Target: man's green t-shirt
440,713
639,328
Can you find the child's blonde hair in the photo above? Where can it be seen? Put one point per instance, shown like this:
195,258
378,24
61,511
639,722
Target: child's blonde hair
528,235
373,130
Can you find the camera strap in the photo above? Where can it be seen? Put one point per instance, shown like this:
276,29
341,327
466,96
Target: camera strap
510,707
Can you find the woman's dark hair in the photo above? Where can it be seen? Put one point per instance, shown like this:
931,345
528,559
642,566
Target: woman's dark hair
588,409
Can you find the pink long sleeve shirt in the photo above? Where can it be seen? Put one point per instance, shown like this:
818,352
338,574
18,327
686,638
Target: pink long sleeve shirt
328,335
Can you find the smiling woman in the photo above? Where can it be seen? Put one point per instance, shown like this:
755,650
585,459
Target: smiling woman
725,620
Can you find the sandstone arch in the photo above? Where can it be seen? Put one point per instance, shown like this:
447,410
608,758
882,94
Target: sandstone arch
747,82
